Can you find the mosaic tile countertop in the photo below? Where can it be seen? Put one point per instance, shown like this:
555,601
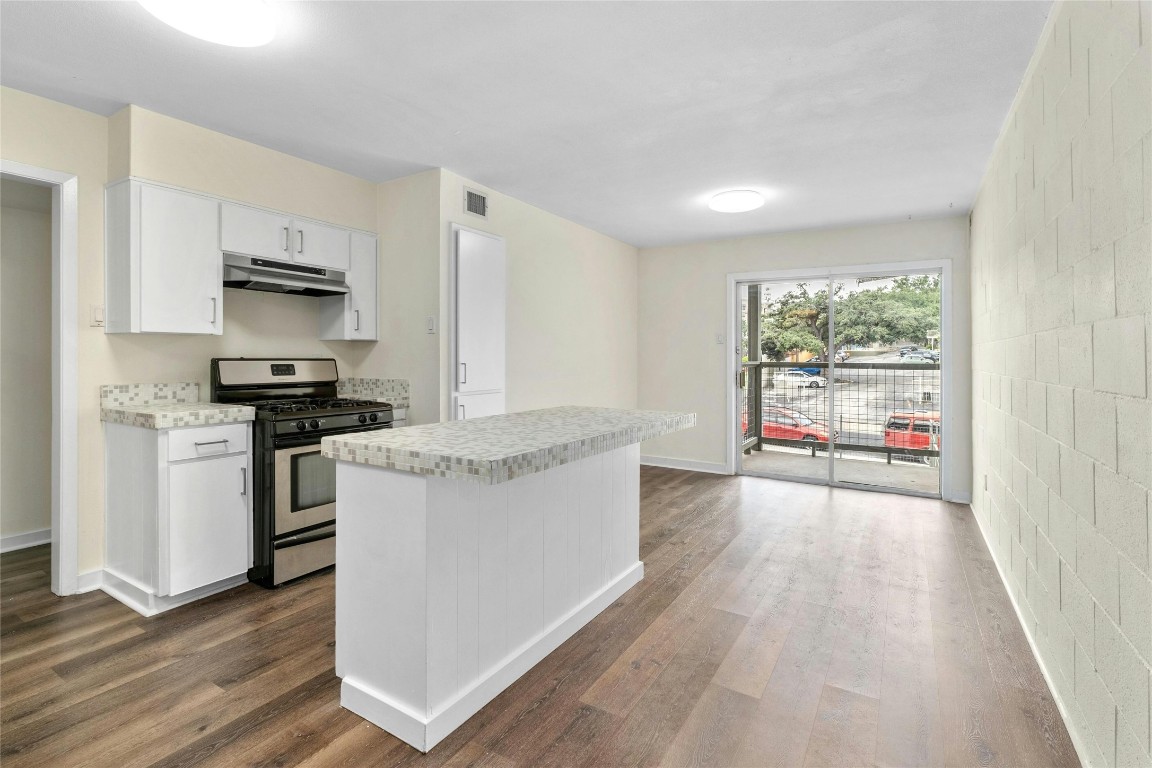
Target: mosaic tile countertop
165,406
394,391
496,449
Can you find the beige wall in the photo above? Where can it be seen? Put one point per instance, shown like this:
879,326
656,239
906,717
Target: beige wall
1061,258
572,316
165,149
50,135
25,359
409,216
683,294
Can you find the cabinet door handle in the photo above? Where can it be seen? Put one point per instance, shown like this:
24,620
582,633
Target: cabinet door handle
462,416
299,241
213,300
243,481
463,373
211,442
286,236
357,327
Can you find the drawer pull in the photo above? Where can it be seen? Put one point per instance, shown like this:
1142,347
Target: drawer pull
212,442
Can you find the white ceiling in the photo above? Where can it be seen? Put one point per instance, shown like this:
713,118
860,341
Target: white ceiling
622,116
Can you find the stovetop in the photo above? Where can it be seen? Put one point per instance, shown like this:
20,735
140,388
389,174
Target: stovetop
315,404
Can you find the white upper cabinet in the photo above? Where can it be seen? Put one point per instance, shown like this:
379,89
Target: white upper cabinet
253,232
163,261
320,245
480,314
352,317
279,237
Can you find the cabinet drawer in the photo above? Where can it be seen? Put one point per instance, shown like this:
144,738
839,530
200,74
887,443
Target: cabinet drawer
207,441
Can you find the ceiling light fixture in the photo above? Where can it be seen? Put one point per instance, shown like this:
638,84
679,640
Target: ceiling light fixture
736,201
239,23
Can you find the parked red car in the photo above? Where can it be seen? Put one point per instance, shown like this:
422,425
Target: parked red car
787,424
912,429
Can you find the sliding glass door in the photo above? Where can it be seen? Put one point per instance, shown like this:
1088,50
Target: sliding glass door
840,381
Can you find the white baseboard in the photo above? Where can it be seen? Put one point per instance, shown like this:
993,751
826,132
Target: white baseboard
24,540
87,582
141,599
425,732
716,468
1077,743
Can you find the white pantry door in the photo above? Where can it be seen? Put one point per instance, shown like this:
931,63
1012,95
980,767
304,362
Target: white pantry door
480,312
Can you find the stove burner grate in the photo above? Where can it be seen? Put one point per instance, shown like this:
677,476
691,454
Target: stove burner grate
312,404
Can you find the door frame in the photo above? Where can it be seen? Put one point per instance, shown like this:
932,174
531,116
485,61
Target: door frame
949,488
65,401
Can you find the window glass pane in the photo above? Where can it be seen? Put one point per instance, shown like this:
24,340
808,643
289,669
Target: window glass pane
313,481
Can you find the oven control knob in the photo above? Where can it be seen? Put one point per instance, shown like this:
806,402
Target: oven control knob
372,417
314,424
363,419
301,426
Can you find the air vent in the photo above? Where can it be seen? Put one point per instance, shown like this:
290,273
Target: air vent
475,203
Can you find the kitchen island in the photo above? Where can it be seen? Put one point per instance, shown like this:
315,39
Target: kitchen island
467,551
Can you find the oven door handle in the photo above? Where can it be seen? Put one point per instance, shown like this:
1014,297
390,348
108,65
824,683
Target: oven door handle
304,538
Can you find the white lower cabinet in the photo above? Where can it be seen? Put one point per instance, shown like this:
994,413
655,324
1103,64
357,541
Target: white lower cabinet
207,537
178,513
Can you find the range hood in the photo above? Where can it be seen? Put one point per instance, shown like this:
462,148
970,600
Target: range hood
251,274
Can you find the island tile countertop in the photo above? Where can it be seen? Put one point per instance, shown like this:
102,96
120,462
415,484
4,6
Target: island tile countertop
496,449
165,406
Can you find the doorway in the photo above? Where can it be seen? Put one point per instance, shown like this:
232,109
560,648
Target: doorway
841,379
64,459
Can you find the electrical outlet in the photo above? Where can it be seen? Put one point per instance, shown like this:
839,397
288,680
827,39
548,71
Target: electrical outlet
97,320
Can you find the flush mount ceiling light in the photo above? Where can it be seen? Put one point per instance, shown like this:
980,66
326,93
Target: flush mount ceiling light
736,201
239,23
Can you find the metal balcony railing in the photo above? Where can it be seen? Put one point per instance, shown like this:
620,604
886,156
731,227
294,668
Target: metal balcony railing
888,408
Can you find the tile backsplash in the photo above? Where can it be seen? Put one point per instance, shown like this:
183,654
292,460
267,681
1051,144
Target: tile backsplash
394,391
122,395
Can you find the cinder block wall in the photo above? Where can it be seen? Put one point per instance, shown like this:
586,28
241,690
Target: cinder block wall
1062,343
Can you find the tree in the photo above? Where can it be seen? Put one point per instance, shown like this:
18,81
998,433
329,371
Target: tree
798,320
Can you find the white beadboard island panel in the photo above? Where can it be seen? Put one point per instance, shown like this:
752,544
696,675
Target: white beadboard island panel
452,587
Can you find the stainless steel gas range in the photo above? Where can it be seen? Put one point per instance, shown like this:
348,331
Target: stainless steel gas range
294,487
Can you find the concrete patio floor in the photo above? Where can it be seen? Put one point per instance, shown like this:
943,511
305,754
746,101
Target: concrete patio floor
785,463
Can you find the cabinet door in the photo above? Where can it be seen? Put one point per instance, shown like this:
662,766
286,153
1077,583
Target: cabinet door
181,267
475,406
320,245
252,232
480,321
361,320
207,523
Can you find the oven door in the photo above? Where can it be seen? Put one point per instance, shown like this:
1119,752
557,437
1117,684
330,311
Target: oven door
305,489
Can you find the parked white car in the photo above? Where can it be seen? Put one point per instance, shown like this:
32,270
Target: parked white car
799,379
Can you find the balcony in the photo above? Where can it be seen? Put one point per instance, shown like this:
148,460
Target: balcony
881,421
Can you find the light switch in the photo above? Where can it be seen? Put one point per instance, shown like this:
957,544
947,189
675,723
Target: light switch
97,316
719,338
430,324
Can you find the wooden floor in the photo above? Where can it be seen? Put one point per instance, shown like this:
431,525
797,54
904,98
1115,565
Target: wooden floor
778,624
